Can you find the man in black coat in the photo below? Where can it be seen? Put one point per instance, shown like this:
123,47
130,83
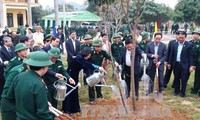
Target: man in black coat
181,58
156,53
54,43
7,51
168,72
72,47
126,53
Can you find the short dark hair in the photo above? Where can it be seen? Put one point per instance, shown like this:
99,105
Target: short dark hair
128,41
85,52
4,31
103,34
34,68
181,32
23,39
157,34
53,38
72,31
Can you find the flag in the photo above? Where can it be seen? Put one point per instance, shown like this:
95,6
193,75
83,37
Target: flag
155,27
54,31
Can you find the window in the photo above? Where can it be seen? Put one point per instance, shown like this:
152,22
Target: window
10,19
20,20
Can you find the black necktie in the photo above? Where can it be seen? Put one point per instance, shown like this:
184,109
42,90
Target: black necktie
9,51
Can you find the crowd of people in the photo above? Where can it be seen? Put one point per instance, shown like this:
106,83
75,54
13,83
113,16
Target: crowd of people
31,64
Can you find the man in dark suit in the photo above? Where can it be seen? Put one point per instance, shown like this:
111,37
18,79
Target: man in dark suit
156,53
54,43
168,72
126,53
7,51
72,46
5,33
181,58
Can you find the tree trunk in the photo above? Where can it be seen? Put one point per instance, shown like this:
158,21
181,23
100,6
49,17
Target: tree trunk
56,12
29,13
1,14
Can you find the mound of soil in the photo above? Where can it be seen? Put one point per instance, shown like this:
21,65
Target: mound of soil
112,109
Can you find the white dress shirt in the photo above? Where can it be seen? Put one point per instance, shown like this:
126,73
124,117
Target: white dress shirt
128,58
180,47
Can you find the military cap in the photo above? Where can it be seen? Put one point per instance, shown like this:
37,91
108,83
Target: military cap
97,42
126,32
20,46
87,37
197,31
116,35
5,39
54,52
144,35
48,37
39,59
120,33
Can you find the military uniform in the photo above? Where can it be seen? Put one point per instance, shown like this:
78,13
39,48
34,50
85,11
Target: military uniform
7,106
97,58
16,60
85,45
49,80
116,49
196,56
29,91
145,41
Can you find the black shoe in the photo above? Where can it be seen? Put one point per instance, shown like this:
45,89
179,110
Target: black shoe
193,91
176,93
137,98
182,95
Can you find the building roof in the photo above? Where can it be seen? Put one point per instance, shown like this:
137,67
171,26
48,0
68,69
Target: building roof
74,16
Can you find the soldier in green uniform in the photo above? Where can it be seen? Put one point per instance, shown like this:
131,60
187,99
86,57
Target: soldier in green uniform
57,67
97,57
8,106
21,49
196,56
116,47
28,89
126,35
145,41
88,42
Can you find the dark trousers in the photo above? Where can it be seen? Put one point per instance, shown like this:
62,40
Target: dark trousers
196,86
152,73
180,78
167,76
2,82
50,95
128,81
71,103
92,92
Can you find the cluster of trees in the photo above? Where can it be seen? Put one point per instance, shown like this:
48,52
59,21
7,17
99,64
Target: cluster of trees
187,11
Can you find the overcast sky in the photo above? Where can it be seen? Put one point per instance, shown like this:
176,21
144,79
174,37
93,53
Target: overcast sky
44,3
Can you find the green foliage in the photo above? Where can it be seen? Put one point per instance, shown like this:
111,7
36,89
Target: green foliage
92,7
101,2
187,11
38,13
153,12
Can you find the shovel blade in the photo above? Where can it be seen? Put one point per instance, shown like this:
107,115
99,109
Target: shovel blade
158,97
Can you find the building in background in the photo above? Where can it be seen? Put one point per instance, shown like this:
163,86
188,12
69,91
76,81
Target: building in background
13,13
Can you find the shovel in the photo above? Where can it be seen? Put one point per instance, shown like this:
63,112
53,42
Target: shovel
158,97
60,115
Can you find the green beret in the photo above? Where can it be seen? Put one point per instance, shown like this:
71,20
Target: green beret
87,37
54,52
196,31
39,59
48,37
116,35
20,46
144,35
97,42
126,32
